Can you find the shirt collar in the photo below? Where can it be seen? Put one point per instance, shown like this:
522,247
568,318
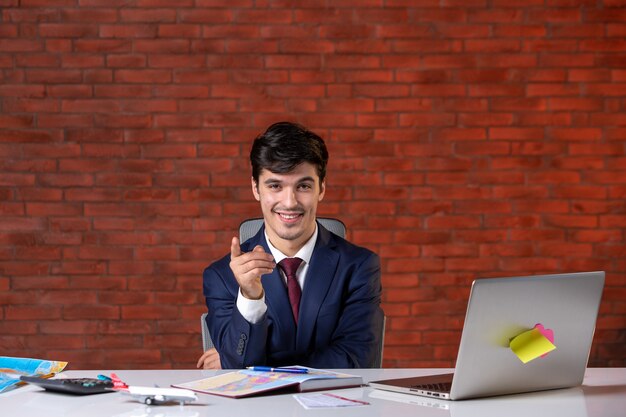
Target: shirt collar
304,253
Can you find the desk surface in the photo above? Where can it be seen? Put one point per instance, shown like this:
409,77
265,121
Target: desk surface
603,393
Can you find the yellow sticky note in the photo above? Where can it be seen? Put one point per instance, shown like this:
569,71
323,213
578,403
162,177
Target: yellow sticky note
530,345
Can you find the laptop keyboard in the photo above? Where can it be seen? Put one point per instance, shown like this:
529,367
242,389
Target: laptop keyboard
440,387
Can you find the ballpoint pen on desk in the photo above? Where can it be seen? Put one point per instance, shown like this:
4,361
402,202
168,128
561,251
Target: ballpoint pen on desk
287,370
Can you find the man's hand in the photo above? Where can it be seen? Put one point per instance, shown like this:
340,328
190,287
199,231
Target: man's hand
248,268
210,360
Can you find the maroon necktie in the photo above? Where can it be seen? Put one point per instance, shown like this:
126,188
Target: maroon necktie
290,266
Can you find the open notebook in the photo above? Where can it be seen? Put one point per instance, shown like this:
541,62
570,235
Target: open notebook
499,310
245,382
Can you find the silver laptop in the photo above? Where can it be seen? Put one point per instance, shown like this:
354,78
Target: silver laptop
500,309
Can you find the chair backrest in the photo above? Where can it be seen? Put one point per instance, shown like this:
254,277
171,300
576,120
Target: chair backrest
250,227
207,343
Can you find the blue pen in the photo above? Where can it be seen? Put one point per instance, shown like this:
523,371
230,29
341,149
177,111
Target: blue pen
287,370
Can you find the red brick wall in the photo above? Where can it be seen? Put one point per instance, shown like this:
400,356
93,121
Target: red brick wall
468,138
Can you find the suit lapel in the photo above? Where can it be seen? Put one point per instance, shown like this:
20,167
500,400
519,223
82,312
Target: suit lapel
318,280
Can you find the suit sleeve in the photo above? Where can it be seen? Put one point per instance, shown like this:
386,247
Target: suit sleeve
356,338
238,342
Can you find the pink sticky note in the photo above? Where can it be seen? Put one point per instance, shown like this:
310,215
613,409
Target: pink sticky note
548,334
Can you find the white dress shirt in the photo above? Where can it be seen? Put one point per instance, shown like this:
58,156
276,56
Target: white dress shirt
253,310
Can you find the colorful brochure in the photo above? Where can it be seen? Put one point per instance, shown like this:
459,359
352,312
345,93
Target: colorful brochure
12,368
245,383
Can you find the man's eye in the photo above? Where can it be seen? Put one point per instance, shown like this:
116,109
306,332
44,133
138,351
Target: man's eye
273,186
305,186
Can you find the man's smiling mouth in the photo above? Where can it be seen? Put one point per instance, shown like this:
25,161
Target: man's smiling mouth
289,216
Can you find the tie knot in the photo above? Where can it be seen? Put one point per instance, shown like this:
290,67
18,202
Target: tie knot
290,266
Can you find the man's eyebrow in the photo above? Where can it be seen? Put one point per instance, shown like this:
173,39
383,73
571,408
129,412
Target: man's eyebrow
300,180
271,181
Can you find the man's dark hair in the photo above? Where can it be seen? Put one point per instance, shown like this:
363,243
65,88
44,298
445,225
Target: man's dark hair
286,145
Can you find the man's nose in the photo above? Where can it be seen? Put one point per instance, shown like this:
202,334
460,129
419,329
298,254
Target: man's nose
290,198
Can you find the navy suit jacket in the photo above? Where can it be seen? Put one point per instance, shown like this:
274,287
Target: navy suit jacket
340,319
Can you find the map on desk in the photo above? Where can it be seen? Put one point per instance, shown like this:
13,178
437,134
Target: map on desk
245,383
11,368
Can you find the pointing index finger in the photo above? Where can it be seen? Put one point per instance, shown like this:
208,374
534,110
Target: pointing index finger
235,249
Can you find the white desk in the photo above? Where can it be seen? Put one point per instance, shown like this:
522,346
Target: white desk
603,394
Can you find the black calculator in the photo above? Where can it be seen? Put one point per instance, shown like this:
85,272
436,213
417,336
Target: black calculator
77,386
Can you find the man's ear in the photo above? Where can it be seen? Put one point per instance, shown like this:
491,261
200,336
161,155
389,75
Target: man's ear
322,190
255,189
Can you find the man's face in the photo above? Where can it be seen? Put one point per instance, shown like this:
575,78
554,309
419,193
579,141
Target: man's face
289,205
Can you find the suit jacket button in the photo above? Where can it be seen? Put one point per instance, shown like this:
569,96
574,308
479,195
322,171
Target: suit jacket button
243,336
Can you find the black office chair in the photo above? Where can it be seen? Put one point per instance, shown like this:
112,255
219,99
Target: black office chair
249,228
207,343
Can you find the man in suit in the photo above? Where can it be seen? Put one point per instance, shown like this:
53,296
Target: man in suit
294,293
